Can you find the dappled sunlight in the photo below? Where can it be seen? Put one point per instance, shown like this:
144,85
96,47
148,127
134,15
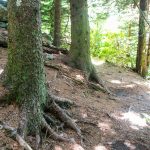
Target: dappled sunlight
135,119
129,145
148,92
84,114
97,62
100,147
79,77
143,83
130,86
77,147
120,82
116,81
1,71
106,127
112,24
58,148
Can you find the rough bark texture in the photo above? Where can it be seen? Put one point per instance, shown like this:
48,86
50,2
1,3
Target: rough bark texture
25,67
148,53
141,60
57,23
25,74
80,37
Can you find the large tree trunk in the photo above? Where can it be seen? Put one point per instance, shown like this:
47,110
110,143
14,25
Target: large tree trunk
57,23
141,60
25,67
80,38
25,75
148,53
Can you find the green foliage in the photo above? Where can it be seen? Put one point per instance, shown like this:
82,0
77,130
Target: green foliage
116,48
118,42
120,4
47,10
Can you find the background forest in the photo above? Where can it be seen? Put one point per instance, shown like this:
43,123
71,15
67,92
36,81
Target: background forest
114,29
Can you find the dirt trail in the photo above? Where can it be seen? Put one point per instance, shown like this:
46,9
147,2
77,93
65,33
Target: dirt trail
106,123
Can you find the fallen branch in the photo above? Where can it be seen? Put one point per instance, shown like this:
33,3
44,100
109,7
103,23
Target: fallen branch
54,50
51,65
47,48
14,134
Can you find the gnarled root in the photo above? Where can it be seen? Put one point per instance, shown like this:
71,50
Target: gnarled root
61,101
45,122
99,84
52,133
61,114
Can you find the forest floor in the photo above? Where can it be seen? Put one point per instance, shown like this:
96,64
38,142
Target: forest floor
121,122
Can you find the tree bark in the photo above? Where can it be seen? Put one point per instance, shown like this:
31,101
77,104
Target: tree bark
141,60
148,53
25,75
57,23
80,38
25,67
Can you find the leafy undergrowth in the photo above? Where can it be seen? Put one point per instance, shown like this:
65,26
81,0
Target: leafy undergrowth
106,123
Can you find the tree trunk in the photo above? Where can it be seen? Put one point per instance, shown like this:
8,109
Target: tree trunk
148,53
25,67
57,23
25,74
148,50
141,60
80,38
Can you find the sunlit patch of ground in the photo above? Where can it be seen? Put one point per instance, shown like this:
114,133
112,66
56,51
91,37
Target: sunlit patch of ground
97,62
1,71
136,121
58,148
100,147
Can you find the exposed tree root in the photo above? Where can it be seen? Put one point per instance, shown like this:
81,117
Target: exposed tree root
61,114
49,119
56,110
99,84
50,65
96,86
15,135
61,101
53,134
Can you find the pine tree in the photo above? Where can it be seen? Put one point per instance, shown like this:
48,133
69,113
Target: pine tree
80,39
57,23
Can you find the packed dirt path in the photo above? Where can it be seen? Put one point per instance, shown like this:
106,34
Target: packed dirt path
118,122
